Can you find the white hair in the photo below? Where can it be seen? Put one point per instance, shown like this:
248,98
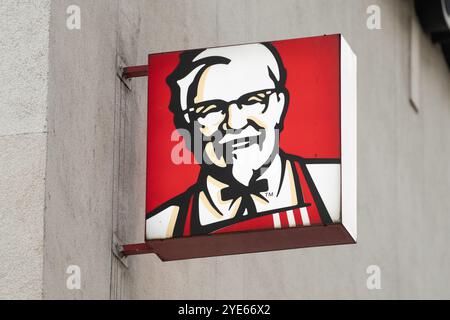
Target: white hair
248,58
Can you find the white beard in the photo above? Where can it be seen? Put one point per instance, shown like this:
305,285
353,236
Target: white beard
245,162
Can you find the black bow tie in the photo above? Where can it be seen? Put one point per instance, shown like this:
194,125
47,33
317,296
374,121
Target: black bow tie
239,190
235,191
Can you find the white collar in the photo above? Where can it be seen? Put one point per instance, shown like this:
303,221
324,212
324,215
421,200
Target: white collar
281,193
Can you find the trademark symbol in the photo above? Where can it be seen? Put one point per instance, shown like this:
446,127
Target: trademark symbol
269,194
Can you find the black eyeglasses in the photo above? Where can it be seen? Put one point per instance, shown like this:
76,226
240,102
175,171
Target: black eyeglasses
202,109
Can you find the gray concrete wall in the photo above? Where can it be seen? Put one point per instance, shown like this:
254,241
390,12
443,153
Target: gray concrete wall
97,139
82,95
24,50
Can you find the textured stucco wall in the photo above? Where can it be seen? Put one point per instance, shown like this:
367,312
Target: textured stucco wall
97,140
24,49
80,150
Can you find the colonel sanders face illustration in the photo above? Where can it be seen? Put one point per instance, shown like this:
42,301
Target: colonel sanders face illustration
235,99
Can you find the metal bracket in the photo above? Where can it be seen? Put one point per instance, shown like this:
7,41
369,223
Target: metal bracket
125,73
135,71
136,248
120,67
117,249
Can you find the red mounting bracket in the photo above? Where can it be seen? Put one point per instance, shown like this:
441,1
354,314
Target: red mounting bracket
134,71
126,73
136,248
241,242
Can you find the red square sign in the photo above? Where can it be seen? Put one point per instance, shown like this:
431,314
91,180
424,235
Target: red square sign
251,147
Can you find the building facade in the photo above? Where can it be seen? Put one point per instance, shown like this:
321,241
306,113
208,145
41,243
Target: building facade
73,150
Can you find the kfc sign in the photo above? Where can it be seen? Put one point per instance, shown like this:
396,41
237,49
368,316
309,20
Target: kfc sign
251,148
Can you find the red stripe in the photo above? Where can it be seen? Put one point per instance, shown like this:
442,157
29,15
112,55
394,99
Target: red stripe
314,217
313,212
187,224
298,217
284,220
